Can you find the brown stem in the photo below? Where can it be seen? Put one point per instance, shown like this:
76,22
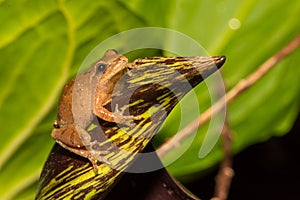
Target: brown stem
229,97
225,174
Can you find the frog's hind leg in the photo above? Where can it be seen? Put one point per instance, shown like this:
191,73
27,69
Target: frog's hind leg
95,159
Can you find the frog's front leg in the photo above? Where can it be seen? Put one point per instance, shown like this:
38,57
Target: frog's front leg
117,116
104,89
78,141
102,97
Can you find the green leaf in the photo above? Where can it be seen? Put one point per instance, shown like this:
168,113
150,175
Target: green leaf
43,42
267,109
40,43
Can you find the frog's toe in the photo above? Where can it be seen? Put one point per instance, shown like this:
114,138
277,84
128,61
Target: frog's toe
136,117
94,163
129,123
129,120
95,159
125,119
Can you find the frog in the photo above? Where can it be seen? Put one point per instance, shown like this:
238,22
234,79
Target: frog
83,98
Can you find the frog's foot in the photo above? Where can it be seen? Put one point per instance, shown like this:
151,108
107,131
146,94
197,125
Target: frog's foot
125,119
95,158
117,116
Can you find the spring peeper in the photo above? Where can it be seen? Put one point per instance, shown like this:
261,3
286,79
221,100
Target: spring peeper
82,99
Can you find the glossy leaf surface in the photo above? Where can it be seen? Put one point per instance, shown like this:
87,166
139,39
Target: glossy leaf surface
42,43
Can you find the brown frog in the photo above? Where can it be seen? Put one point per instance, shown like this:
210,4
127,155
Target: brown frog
83,98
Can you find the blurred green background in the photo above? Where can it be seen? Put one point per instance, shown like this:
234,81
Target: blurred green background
43,42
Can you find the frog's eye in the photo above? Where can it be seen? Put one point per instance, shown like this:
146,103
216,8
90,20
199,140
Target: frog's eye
55,124
101,67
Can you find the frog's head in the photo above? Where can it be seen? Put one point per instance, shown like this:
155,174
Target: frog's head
99,66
